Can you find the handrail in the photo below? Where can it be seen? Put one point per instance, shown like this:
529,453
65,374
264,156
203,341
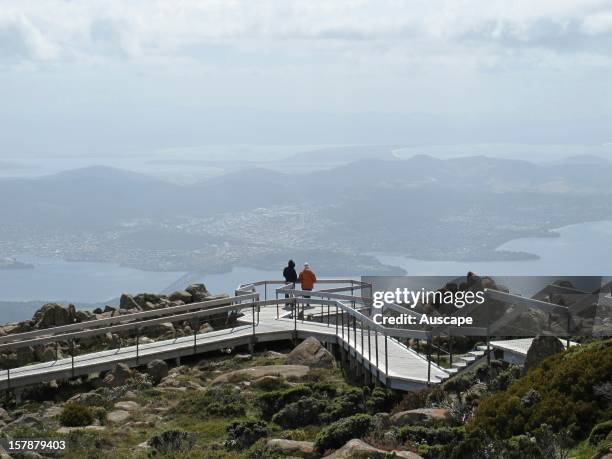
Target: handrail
123,318
135,325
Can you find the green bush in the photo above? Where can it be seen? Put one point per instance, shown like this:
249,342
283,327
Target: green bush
217,401
269,384
349,402
600,432
76,415
432,435
380,400
301,413
565,384
272,402
460,382
243,434
338,433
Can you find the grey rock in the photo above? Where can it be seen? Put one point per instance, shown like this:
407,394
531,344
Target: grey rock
541,348
311,352
158,370
181,295
127,302
290,448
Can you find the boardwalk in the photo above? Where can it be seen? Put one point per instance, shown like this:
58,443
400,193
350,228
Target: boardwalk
334,315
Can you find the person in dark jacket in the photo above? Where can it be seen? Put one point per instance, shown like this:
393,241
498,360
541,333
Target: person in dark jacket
290,276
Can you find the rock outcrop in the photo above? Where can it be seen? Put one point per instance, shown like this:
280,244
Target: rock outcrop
358,449
290,448
541,348
157,370
311,352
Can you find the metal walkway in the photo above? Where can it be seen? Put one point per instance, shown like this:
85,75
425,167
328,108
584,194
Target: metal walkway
371,348
334,315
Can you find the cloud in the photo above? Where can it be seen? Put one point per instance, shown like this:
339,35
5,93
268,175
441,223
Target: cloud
143,28
21,39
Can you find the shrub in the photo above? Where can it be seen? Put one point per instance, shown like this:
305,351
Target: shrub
338,433
272,402
76,415
420,399
301,413
348,403
269,384
432,435
460,382
380,400
600,432
242,434
172,441
564,383
217,401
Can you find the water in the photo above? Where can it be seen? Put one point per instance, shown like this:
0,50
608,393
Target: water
584,249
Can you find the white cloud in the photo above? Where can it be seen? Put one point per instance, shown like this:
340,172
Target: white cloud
21,39
144,28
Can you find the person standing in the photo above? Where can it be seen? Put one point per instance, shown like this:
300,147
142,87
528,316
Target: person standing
290,276
307,278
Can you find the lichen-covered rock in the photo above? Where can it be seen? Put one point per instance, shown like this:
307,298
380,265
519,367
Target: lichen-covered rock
118,375
127,302
181,295
358,449
198,292
290,448
541,348
311,352
158,370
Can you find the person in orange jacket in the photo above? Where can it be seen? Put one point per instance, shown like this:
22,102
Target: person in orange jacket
307,278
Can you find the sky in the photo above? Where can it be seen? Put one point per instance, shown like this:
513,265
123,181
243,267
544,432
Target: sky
117,76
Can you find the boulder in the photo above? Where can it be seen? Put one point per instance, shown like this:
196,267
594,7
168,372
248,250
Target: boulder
198,292
158,370
206,328
53,315
88,398
290,448
181,295
118,375
127,302
4,416
424,416
128,406
117,416
541,348
358,449
311,352
286,371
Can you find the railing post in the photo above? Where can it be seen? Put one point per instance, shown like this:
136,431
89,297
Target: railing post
369,350
295,314
266,291
72,355
342,324
253,308
137,343
277,311
195,335
428,360
376,344
450,347
8,379
336,319
386,362
328,314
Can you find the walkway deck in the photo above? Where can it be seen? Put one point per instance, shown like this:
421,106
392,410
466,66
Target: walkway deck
407,370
